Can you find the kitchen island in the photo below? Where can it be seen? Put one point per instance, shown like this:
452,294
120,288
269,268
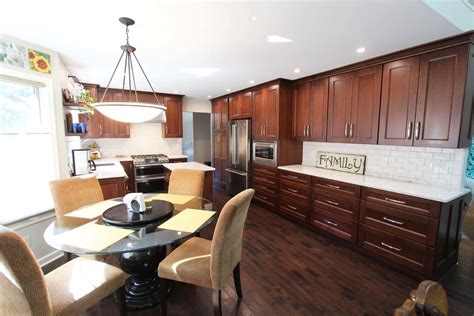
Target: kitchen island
208,175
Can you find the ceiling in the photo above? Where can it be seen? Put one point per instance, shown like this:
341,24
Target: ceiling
200,49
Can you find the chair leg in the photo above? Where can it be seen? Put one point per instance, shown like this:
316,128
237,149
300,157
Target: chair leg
238,285
120,296
216,302
163,296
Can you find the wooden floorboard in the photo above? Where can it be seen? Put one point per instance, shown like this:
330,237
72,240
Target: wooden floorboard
287,269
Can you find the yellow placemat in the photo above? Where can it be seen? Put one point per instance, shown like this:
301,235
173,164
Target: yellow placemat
93,211
173,198
92,236
188,220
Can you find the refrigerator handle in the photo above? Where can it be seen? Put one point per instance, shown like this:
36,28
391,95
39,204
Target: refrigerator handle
234,145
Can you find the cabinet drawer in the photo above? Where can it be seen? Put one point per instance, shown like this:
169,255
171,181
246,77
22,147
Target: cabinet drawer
264,170
410,254
405,224
263,180
295,177
342,227
337,187
294,209
294,191
337,204
402,202
266,199
264,186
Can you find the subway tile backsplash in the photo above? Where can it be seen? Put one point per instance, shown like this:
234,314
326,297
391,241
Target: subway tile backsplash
442,167
145,138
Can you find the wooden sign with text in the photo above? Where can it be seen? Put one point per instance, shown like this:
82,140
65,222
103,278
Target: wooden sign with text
341,162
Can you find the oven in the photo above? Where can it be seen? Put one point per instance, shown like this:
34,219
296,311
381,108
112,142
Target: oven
265,153
149,178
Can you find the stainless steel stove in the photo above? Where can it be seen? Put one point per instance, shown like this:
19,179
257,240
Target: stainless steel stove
149,172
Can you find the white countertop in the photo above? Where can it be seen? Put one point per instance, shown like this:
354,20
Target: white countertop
188,165
413,189
109,168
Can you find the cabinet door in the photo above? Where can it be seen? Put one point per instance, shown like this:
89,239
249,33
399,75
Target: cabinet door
300,111
259,114
216,115
339,108
224,148
148,97
440,97
223,172
318,110
246,105
398,104
106,125
224,114
173,128
234,107
272,96
364,124
217,145
217,173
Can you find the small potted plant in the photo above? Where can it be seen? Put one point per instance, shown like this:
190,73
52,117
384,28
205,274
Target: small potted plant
86,100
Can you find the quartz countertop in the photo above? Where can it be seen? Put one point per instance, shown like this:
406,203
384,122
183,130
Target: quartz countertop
424,191
188,165
109,168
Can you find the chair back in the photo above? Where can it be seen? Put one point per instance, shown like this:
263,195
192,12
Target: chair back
226,245
186,182
73,193
429,299
18,259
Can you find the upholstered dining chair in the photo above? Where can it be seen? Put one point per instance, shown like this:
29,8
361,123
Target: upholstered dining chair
68,290
72,193
428,299
186,182
208,263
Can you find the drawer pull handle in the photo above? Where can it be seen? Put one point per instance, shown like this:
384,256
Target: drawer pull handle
262,197
292,177
395,201
390,247
292,207
330,223
393,221
333,186
292,190
263,187
333,203
262,179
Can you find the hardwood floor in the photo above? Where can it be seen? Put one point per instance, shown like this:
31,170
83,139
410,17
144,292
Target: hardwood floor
290,270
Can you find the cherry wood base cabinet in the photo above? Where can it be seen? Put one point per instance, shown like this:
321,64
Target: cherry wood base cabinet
413,234
265,184
113,187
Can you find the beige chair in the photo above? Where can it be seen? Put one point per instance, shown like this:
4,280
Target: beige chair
208,263
73,193
428,299
186,182
68,290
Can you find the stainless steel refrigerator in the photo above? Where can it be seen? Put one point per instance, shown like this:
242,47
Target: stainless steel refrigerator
239,155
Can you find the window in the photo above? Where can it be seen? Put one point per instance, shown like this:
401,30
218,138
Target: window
28,159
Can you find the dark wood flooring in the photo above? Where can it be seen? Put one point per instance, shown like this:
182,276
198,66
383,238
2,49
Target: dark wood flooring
287,269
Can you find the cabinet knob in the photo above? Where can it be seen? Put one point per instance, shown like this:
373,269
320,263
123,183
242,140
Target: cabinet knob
417,130
345,129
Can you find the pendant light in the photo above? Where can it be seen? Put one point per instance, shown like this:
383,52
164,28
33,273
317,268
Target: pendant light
132,111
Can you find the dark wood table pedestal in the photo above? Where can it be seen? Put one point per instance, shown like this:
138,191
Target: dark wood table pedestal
143,286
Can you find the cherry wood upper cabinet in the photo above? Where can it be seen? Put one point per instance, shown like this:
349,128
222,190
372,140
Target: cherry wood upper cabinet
339,107
173,128
219,115
272,97
121,130
259,114
364,124
310,106
246,106
234,107
441,92
398,104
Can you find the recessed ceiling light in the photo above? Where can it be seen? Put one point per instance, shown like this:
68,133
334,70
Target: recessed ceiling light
278,39
209,96
360,50
254,18
252,82
228,90
297,70
175,91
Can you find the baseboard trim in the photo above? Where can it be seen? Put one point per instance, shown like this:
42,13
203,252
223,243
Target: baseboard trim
50,257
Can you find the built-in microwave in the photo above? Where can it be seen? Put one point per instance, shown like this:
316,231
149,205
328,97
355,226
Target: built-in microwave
265,153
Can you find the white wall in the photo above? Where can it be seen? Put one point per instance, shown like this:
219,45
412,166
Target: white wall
196,105
145,138
432,166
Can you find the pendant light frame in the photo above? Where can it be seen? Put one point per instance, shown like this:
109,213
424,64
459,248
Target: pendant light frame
116,110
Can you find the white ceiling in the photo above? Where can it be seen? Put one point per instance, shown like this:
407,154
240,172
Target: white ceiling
176,40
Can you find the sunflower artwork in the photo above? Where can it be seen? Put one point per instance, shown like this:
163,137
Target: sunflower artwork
39,61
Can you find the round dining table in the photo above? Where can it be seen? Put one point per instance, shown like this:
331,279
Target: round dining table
141,251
